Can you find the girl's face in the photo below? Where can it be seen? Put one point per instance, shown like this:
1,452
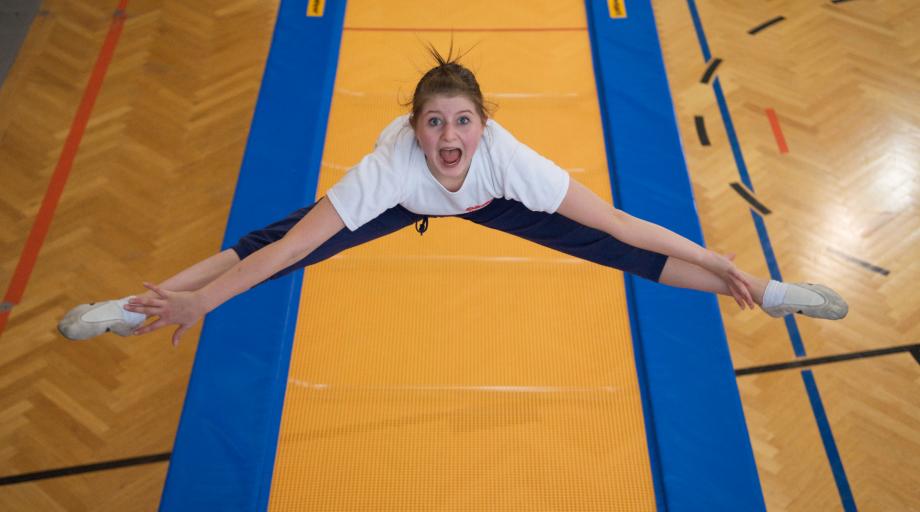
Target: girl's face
448,130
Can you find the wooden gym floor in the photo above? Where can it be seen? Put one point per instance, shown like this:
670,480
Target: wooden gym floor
150,189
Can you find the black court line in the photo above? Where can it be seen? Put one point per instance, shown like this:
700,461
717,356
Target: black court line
864,264
766,24
87,468
710,70
701,130
839,1
757,205
913,350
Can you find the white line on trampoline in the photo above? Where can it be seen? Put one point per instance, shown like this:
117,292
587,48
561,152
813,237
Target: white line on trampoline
489,259
504,95
495,389
340,167
541,95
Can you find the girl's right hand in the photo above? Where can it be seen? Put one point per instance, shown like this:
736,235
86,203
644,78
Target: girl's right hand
182,308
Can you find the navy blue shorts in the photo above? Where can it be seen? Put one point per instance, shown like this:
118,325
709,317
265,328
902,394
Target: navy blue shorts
548,229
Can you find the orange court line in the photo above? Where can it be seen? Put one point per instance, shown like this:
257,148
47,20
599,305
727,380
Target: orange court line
45,215
777,131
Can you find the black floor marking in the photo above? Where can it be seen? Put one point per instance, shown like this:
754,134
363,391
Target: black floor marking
766,24
914,350
88,468
701,130
839,1
757,205
710,70
864,264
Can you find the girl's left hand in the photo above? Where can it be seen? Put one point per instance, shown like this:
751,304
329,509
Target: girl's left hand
734,278
182,308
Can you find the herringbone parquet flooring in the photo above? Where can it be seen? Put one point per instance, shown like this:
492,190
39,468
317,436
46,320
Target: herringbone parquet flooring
844,81
148,194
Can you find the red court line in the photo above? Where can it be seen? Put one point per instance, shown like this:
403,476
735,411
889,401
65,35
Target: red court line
777,131
485,29
45,215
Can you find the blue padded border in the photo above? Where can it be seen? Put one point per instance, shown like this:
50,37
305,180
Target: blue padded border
225,446
698,440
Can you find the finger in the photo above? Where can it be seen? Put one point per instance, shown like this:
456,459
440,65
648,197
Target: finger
178,334
146,301
737,279
733,292
737,295
745,291
151,327
155,289
146,304
740,302
739,275
730,256
147,310
750,298
746,295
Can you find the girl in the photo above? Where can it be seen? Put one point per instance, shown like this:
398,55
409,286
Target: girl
447,158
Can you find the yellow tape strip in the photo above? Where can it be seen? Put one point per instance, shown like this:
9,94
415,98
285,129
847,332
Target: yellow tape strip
617,8
315,8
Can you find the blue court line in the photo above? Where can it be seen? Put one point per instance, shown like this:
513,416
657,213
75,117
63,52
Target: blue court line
795,338
732,136
698,443
830,447
767,247
792,328
700,34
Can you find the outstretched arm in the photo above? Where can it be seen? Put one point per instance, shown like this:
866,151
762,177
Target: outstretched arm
186,308
585,207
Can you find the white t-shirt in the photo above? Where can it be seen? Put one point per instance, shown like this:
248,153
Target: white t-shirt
396,174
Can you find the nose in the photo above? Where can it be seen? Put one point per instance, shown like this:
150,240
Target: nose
449,132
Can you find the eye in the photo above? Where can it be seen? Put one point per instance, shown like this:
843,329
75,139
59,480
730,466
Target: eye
434,121
464,120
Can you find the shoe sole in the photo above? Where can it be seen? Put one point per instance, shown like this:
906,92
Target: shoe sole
833,308
73,327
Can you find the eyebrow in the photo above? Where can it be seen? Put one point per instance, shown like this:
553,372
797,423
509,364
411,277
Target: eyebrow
439,112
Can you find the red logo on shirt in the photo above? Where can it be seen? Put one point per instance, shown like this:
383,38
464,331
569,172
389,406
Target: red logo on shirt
478,206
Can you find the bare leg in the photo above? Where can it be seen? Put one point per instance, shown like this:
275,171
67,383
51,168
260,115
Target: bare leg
199,274
683,274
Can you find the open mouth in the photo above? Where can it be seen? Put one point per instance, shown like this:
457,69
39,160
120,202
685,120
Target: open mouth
450,156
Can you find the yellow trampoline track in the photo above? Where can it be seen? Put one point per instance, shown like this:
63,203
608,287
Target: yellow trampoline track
464,369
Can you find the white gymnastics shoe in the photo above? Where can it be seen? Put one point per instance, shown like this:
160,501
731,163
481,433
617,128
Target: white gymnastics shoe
89,320
814,300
